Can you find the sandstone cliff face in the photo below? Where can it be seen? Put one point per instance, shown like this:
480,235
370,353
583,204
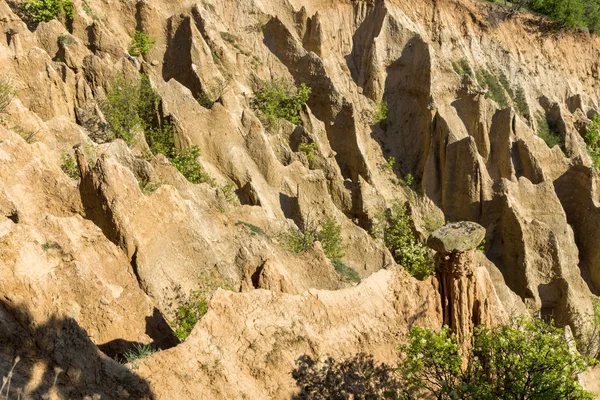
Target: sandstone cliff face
98,262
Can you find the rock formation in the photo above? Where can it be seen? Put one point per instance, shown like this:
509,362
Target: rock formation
101,261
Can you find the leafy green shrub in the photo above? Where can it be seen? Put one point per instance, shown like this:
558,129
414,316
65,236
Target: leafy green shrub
592,137
47,10
228,191
299,240
121,109
380,113
69,166
187,163
390,163
524,359
310,149
280,99
400,239
141,44
409,180
346,271
330,236
7,93
188,315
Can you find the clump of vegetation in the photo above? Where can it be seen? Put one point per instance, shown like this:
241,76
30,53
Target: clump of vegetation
7,93
66,40
525,359
299,240
280,99
462,67
228,191
51,245
147,186
495,90
46,10
254,230
188,315
589,343
187,163
330,236
69,166
380,113
482,246
138,352
548,134
131,107
346,271
409,180
390,163
407,251
310,149
592,137
228,37
141,44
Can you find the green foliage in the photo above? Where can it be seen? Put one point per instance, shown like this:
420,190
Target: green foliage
409,180
380,113
7,93
228,37
69,166
138,352
400,239
254,230
228,191
549,135
482,246
390,163
310,149
188,314
187,163
520,101
66,40
47,10
346,271
141,44
330,236
592,137
121,109
147,186
495,90
524,359
299,240
51,245
462,67
279,99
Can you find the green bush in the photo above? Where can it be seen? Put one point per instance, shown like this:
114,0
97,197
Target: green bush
299,240
462,67
280,99
549,135
6,93
188,315
400,239
526,359
47,10
310,149
141,44
330,236
380,113
69,166
187,163
592,137
121,108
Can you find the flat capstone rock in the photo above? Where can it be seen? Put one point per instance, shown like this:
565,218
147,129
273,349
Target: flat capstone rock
457,237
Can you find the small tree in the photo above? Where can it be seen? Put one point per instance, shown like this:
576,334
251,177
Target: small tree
280,99
141,44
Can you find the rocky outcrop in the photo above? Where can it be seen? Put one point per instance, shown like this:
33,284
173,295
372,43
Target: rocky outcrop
466,291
